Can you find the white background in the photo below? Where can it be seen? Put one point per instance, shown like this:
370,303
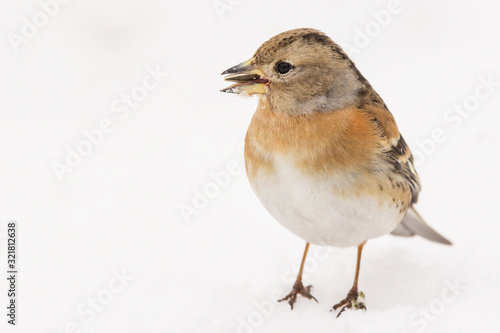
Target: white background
220,270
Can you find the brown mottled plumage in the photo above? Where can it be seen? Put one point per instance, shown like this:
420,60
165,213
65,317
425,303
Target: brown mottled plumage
322,152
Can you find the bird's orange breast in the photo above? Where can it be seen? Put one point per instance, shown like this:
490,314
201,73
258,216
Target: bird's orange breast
340,140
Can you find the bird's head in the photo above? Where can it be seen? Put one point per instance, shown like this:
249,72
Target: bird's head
298,72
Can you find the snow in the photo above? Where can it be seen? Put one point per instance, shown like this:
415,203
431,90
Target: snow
118,212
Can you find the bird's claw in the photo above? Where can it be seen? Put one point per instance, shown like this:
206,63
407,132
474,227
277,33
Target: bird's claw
354,300
298,288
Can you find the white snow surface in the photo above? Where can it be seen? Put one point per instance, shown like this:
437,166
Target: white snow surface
119,210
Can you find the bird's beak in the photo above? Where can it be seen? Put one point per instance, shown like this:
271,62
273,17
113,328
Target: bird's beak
249,79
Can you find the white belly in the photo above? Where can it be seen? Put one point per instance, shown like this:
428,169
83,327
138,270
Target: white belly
308,207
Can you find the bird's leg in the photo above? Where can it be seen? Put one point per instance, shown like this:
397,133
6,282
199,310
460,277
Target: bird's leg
354,299
298,287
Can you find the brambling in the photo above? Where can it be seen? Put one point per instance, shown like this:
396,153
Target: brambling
323,153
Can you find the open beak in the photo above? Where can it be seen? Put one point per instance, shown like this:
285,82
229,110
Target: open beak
249,80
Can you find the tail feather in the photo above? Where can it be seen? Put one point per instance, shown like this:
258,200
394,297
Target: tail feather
413,224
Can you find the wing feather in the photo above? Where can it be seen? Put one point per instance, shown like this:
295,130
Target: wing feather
398,155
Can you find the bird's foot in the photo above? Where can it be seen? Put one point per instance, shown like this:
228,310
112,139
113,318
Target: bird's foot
354,300
298,288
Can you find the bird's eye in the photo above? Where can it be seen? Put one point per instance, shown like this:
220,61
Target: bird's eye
283,67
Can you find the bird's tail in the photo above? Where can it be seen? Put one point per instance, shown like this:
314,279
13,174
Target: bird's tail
414,224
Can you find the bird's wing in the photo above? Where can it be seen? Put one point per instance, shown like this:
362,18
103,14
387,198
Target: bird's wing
399,156
397,152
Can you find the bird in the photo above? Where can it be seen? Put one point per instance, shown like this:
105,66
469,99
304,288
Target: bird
323,153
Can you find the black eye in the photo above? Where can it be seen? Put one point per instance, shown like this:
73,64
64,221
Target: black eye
283,67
